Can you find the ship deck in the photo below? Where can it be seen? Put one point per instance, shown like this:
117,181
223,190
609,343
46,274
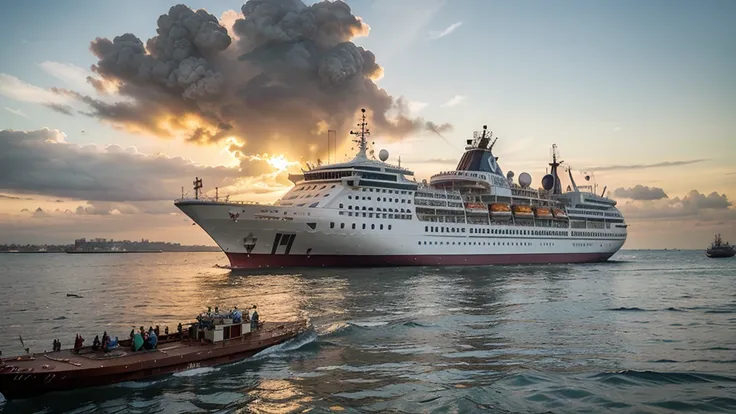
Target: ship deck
66,360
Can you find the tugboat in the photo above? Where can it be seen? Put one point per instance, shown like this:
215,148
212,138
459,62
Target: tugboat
214,339
718,249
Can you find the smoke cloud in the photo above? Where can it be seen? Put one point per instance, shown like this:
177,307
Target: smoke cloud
287,73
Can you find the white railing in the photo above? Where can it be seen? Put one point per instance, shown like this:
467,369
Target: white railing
224,200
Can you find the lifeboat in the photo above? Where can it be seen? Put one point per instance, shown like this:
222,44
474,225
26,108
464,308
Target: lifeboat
559,213
475,206
499,209
523,210
543,212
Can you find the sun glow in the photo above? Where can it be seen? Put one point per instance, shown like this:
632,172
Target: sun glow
279,162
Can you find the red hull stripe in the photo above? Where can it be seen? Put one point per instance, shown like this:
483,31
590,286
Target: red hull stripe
255,261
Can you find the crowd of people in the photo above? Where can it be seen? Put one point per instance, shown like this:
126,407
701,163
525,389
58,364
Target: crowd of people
148,339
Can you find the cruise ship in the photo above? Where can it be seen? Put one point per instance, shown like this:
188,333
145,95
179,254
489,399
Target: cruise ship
367,212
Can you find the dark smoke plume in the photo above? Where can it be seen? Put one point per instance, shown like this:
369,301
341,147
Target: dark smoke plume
289,73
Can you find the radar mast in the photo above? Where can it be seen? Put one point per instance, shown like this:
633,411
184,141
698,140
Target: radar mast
360,136
557,188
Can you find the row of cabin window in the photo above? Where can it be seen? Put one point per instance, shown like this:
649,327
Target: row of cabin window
582,244
312,187
495,231
441,243
305,196
388,210
379,190
395,200
379,215
373,226
589,234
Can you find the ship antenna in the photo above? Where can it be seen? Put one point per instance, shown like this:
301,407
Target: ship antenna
197,186
361,136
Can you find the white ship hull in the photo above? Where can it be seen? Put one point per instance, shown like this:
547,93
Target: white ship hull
263,236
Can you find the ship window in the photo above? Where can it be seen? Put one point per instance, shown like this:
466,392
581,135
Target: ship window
381,227
326,195
350,197
312,225
389,227
350,214
426,228
363,207
373,226
333,186
342,225
350,207
341,205
353,226
364,214
363,226
332,225
408,201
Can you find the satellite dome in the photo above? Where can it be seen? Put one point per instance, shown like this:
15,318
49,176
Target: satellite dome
509,175
383,155
525,180
548,182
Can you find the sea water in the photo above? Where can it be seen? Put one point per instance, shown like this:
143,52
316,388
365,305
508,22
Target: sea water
648,331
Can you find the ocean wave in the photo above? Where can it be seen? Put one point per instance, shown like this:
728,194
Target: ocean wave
631,377
195,372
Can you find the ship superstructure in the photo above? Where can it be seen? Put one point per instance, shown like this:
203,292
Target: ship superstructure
367,212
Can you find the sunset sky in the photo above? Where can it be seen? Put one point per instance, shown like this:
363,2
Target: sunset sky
97,137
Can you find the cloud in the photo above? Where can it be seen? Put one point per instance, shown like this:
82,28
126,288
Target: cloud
640,192
288,70
451,28
71,74
7,197
15,88
39,213
456,100
61,108
41,162
16,112
447,161
694,205
415,106
643,166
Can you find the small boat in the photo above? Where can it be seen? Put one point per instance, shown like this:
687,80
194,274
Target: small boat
210,341
559,213
719,249
543,213
522,210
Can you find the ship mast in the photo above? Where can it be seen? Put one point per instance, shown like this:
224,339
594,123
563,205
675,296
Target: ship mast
557,188
197,186
361,136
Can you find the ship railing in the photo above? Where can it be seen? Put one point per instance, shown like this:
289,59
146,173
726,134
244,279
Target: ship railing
221,200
